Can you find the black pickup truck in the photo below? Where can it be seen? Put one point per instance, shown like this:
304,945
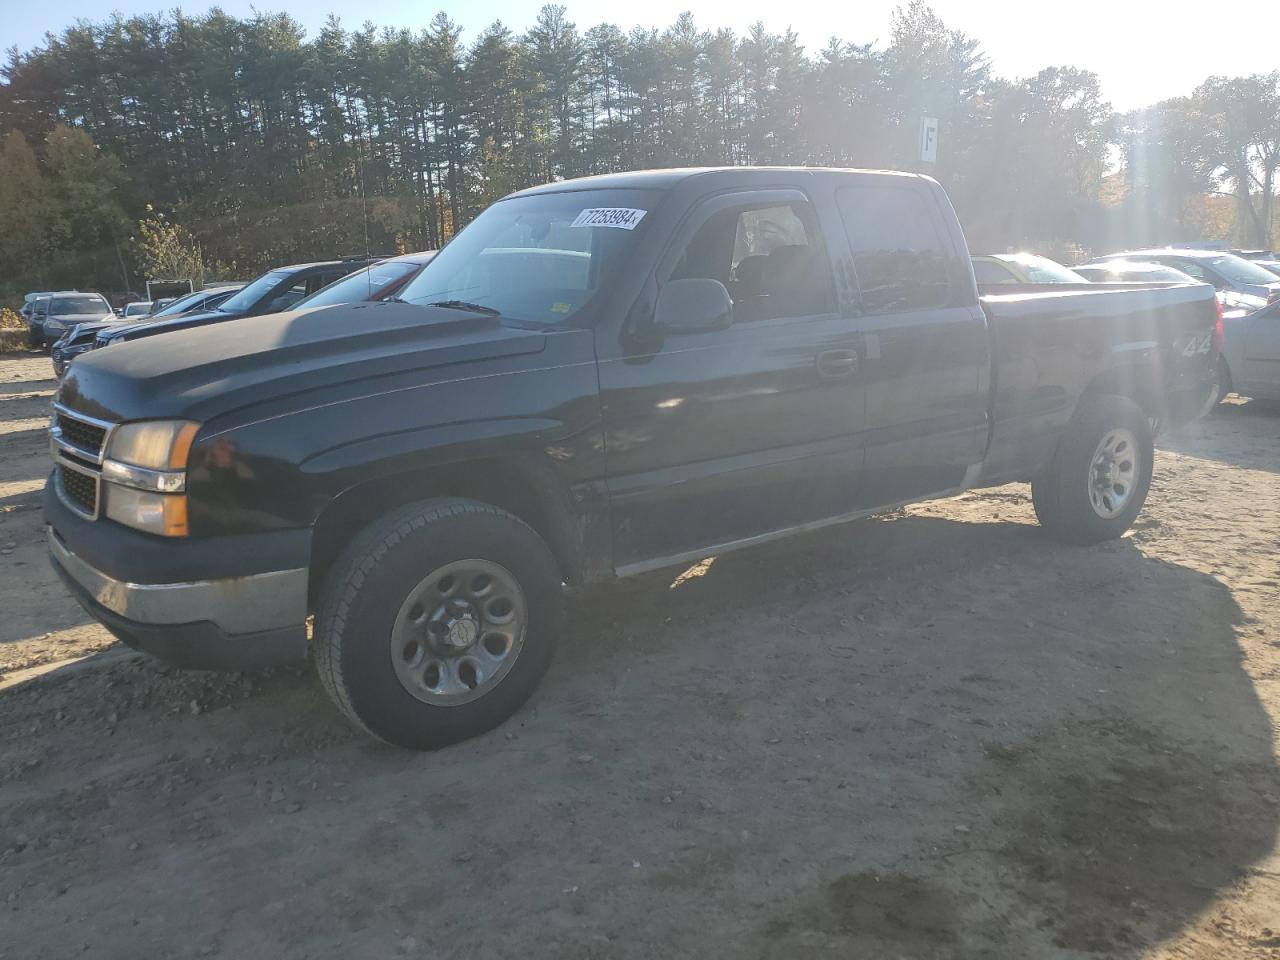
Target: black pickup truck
595,378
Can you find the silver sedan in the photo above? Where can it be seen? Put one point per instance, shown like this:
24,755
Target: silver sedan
1250,363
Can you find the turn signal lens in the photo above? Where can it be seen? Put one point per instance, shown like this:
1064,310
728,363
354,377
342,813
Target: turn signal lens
163,514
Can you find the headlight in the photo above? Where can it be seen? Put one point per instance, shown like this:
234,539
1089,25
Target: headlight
145,474
153,444
164,514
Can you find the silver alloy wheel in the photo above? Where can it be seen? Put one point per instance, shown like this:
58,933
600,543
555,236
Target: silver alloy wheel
459,632
1113,472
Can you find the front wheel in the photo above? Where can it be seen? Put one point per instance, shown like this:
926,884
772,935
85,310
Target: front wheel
1097,481
438,622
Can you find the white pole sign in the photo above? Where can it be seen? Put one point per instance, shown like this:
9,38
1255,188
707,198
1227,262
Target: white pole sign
929,139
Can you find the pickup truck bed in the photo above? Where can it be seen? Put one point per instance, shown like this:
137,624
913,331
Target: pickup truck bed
1152,340
595,378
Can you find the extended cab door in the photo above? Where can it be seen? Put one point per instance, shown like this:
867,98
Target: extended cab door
927,352
718,436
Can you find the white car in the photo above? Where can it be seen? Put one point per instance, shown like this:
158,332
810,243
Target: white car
136,310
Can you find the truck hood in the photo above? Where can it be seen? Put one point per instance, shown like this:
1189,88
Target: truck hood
217,369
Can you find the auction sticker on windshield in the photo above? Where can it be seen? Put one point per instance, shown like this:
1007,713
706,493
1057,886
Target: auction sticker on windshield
624,218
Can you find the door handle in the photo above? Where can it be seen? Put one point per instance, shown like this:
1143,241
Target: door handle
837,363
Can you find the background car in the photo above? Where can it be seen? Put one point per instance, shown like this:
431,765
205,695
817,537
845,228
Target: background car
1132,271
1021,268
1135,271
136,310
60,312
1250,361
276,290
380,281
1226,271
207,299
29,311
81,337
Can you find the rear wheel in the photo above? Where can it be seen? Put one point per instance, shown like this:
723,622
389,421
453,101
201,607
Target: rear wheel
1097,482
438,622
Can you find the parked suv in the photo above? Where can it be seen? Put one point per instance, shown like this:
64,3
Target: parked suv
29,312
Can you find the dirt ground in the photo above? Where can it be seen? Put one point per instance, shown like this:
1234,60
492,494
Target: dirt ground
933,734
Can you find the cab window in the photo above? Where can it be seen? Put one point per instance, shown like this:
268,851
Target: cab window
769,257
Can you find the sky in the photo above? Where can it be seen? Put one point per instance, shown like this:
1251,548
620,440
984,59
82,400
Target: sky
1142,50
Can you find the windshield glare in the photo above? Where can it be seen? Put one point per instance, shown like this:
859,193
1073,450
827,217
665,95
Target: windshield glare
361,285
246,298
1239,270
534,258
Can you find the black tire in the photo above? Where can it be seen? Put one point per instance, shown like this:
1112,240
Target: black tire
1062,493
367,586
34,340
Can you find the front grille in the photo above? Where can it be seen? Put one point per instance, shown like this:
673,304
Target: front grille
79,489
81,434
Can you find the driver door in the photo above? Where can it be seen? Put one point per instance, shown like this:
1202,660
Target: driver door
718,436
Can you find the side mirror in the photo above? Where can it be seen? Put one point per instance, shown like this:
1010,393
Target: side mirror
693,306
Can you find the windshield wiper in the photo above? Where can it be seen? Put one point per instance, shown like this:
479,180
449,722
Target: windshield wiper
466,305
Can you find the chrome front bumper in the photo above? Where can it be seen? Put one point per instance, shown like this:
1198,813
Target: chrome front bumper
252,604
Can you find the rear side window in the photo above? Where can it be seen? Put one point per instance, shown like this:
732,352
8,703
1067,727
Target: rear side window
898,255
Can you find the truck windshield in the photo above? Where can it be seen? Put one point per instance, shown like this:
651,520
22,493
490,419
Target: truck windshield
539,259
250,295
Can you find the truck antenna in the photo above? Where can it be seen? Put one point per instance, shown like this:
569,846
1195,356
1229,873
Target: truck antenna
364,212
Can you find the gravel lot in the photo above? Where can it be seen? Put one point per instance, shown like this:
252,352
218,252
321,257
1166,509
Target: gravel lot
932,734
